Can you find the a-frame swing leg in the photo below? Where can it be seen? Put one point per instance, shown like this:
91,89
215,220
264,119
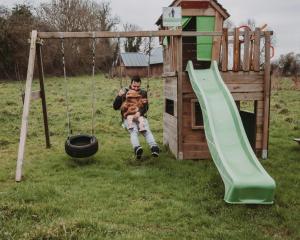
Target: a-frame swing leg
42,92
25,115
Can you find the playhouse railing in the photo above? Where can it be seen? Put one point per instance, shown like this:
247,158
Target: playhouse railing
245,50
237,50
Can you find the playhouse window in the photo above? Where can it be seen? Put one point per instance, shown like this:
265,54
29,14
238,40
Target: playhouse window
197,117
169,106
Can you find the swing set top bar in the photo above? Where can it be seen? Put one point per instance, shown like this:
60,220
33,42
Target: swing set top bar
106,34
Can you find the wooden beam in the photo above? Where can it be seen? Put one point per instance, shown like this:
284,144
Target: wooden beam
179,97
35,95
42,93
246,61
225,50
198,12
267,92
242,33
216,51
195,34
256,50
236,50
25,115
169,74
194,5
106,34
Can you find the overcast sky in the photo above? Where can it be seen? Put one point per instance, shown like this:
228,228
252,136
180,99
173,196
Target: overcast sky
281,16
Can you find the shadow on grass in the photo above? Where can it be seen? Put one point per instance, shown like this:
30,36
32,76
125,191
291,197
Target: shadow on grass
75,162
146,160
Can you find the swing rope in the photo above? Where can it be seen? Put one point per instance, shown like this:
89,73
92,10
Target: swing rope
119,59
149,58
148,77
66,84
93,81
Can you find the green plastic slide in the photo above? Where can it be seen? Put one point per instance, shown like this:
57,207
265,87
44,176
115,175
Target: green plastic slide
245,180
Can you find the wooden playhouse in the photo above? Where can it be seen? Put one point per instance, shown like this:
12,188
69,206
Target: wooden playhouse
244,63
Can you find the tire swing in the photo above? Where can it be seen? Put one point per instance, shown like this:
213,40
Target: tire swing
80,145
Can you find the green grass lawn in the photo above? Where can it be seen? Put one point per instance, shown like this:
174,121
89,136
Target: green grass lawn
112,196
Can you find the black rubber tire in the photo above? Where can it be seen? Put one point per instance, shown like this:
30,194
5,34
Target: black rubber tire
81,146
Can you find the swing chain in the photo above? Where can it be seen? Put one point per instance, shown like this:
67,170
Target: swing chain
93,81
66,84
149,57
118,59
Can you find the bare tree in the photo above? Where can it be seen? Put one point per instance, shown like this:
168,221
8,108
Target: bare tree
132,44
81,15
15,26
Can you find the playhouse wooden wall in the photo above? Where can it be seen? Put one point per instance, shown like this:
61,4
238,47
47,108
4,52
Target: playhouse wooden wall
244,69
249,83
172,58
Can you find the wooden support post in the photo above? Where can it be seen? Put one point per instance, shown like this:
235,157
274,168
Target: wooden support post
236,52
178,52
246,61
42,93
24,126
217,40
267,91
256,50
225,50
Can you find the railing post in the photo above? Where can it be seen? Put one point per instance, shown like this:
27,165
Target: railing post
267,92
246,61
256,50
236,50
224,67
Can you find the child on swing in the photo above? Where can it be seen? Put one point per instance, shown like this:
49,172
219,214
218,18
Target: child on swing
133,116
131,107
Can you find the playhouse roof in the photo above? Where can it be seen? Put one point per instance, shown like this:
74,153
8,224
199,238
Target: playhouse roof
135,59
214,3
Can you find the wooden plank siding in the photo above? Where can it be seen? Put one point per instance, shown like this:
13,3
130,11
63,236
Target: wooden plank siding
243,87
198,12
237,82
170,137
246,82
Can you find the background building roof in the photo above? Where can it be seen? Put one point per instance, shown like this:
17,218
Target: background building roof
135,59
156,56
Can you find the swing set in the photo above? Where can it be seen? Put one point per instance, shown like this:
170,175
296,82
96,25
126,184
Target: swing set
80,145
